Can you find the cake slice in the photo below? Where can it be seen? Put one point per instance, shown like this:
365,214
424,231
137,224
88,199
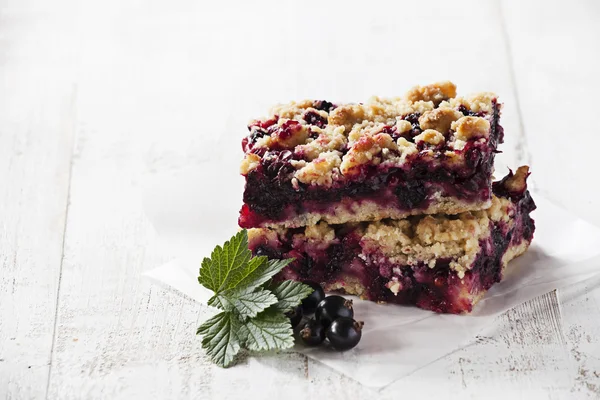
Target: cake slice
438,262
425,153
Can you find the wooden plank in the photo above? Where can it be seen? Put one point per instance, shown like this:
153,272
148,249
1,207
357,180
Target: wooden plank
118,335
556,58
580,307
499,359
37,99
167,88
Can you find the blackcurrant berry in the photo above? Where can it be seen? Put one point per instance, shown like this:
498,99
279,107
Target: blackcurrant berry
333,307
313,333
344,333
309,304
295,316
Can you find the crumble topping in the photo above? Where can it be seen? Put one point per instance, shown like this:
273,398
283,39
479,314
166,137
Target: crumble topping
394,285
407,148
421,238
430,136
440,119
517,182
348,283
320,232
436,92
264,236
453,159
290,134
500,210
365,128
403,126
375,110
480,102
291,110
331,138
249,162
418,107
315,117
468,128
456,144
321,170
265,141
420,99
441,229
364,151
412,255
427,239
477,103
381,130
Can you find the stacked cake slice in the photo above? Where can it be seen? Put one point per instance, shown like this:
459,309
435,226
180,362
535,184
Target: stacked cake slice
391,199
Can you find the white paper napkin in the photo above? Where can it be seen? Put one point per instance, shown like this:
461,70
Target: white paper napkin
195,209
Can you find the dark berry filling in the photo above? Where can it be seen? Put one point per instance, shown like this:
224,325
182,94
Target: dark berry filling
323,105
256,133
414,121
271,197
287,129
438,289
314,118
411,194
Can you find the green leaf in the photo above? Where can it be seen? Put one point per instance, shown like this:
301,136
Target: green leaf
253,316
221,338
240,275
220,302
269,330
264,273
290,294
246,302
225,262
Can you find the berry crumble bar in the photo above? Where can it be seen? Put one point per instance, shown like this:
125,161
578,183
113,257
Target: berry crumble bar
428,152
443,263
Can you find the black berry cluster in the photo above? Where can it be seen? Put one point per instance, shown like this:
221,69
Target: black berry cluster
333,319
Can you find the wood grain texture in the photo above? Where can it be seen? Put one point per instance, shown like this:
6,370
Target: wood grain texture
37,102
556,58
580,305
165,87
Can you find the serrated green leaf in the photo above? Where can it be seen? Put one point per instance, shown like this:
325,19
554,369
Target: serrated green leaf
264,273
225,262
289,294
246,302
221,338
269,330
239,276
237,279
219,301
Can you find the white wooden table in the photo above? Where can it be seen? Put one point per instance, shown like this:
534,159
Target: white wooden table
97,96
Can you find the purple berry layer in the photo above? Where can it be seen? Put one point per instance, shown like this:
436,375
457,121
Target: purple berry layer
429,152
439,263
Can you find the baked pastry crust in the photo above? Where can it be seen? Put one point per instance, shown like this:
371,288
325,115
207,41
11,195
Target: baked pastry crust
439,262
426,152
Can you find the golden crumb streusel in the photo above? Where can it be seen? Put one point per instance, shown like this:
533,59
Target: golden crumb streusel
380,130
420,238
517,182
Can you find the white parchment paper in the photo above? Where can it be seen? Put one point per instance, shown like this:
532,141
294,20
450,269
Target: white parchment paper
195,209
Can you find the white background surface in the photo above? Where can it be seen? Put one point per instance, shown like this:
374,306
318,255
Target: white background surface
95,97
